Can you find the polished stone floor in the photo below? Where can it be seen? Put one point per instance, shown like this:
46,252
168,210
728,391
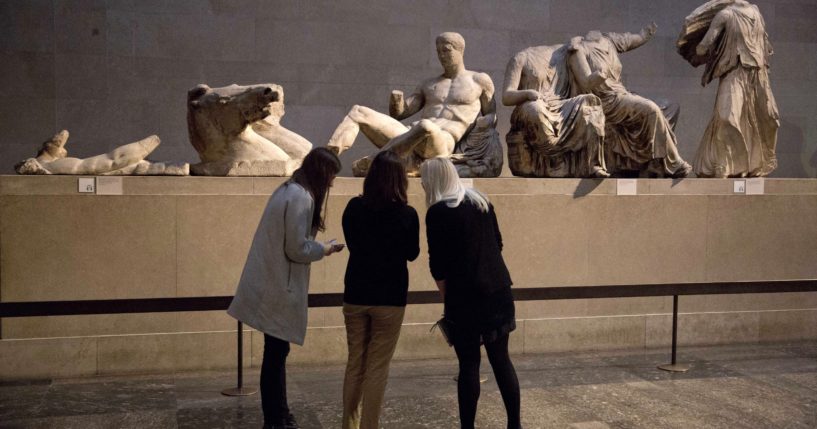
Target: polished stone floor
746,386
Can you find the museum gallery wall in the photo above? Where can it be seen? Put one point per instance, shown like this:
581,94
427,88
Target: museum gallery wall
116,74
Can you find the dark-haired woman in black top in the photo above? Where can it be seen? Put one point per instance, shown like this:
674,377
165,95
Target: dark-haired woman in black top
382,232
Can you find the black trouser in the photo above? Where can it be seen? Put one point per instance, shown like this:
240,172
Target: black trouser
468,353
274,380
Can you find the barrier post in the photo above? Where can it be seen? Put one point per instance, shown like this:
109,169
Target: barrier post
240,390
674,366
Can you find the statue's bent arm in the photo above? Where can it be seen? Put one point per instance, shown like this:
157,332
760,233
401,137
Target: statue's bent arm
511,94
487,101
626,42
400,108
581,70
715,30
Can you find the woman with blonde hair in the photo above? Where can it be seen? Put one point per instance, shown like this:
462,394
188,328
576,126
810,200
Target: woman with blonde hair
465,256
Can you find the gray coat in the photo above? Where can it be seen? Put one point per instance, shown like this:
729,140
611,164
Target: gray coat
273,290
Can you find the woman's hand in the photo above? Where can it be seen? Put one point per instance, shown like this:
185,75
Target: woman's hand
332,246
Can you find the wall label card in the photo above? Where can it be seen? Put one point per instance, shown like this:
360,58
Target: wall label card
86,185
108,185
626,187
740,186
755,186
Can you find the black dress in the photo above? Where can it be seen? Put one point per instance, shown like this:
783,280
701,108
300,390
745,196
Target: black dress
465,250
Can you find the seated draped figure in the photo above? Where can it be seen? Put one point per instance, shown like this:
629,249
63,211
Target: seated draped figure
236,131
552,134
128,159
457,120
638,132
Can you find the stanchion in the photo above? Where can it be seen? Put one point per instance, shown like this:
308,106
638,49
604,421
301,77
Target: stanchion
674,367
240,390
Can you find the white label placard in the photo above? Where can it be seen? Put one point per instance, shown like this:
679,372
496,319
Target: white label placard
626,187
755,186
86,185
468,183
740,186
109,185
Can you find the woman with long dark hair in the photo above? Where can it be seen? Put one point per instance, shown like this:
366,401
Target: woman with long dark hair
465,255
273,291
383,233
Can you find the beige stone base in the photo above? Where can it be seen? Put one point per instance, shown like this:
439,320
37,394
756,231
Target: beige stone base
155,353
189,236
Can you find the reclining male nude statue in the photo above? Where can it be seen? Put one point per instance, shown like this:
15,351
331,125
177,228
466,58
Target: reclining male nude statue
454,105
128,159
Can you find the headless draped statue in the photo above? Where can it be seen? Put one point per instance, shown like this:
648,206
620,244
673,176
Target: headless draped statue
552,134
127,159
639,134
729,37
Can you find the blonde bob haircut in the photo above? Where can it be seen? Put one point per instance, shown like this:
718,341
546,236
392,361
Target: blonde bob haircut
442,183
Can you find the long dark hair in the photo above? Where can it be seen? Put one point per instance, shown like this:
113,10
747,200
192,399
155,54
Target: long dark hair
386,181
318,169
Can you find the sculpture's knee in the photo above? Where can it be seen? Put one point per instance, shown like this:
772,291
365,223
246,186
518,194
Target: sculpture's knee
428,127
592,100
357,112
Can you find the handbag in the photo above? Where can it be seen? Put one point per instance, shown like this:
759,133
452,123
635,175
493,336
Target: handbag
446,327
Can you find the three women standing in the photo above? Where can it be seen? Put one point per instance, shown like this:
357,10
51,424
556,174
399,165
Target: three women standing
273,291
383,233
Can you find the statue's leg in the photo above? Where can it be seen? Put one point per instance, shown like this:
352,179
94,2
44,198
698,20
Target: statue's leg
376,126
434,141
768,120
120,157
59,140
647,121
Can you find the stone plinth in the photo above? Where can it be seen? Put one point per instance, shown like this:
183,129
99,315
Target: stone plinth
188,236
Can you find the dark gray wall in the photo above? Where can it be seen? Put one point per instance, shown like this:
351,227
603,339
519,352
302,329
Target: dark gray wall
113,71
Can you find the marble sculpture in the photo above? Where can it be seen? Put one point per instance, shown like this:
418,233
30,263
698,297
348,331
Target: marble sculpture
128,159
552,134
639,133
729,37
236,131
457,119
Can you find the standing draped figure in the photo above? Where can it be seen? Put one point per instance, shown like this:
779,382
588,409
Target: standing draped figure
729,36
639,133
